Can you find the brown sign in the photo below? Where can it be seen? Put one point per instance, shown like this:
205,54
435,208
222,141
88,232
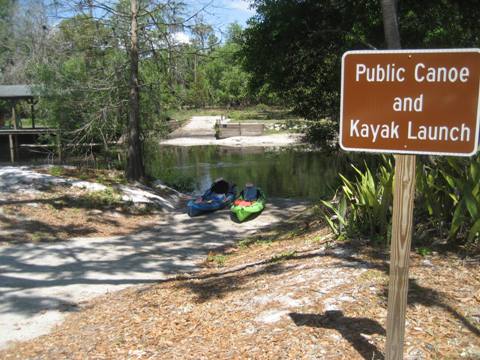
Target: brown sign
411,101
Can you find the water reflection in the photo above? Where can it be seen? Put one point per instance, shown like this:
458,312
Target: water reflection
287,172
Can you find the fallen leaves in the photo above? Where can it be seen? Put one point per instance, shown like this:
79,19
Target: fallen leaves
315,303
63,213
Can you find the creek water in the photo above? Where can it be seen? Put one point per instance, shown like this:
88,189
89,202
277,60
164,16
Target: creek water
282,172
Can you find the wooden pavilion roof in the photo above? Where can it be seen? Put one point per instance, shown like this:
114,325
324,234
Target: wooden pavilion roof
16,92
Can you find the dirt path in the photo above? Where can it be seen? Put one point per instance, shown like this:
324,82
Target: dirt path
40,283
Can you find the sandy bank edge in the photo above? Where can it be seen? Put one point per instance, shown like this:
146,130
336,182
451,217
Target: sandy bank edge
238,141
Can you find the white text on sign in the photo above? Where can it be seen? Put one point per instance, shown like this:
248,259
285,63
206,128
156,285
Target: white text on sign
422,73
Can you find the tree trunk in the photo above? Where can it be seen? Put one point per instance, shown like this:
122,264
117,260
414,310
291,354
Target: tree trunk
135,169
390,24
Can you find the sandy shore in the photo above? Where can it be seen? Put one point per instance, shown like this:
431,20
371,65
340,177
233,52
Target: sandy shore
238,141
200,131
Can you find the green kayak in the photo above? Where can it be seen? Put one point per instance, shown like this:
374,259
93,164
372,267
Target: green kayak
250,202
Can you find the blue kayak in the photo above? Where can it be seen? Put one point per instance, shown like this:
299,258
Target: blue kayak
220,195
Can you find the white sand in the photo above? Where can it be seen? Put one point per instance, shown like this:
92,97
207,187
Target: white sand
200,131
238,141
25,180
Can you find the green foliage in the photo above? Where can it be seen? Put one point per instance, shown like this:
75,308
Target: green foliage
337,219
108,198
6,49
294,48
85,83
82,89
447,202
227,80
449,192
56,171
322,132
424,251
363,205
218,259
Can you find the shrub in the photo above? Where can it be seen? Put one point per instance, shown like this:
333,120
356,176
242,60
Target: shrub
448,197
323,132
363,206
447,202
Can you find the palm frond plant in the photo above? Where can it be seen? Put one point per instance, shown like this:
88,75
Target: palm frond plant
363,205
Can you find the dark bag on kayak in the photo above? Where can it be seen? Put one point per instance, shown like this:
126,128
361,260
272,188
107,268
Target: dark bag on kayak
250,193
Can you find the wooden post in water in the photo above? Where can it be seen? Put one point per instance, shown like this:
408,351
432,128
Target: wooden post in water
32,112
14,143
14,116
12,149
59,146
402,221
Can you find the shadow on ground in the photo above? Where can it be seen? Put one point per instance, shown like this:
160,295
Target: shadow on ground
350,328
218,285
36,278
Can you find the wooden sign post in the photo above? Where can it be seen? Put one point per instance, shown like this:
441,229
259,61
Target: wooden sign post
408,102
402,216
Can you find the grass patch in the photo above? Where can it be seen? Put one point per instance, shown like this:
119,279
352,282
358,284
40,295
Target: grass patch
102,176
56,171
108,198
250,113
110,178
296,232
316,239
424,251
217,259
250,241
102,199
262,113
39,236
105,177
299,226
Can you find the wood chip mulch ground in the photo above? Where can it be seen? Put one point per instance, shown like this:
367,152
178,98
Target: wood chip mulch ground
292,299
60,213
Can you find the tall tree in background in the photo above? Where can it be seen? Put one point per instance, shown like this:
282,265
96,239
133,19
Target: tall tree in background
6,24
135,169
227,79
23,37
106,58
84,83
